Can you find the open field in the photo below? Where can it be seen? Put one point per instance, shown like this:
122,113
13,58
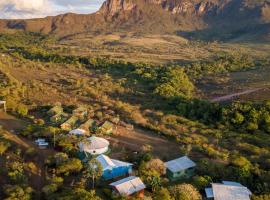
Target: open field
152,48
255,83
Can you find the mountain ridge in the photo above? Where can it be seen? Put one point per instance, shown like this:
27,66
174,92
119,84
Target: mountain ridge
156,16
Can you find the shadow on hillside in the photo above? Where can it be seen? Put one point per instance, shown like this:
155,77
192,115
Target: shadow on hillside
254,34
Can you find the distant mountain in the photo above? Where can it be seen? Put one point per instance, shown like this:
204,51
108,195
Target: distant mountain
225,19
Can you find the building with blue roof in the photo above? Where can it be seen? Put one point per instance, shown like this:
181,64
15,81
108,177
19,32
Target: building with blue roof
113,168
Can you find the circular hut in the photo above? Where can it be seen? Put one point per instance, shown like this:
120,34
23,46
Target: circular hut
94,146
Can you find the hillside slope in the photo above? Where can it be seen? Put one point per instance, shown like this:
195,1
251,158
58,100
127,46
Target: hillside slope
250,18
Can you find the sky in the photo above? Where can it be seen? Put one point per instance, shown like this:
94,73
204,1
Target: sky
25,9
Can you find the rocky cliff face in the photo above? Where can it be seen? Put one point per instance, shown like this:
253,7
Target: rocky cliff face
158,16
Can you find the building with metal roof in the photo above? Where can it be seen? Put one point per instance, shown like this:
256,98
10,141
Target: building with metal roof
70,123
129,186
180,168
228,190
113,168
106,128
77,132
94,146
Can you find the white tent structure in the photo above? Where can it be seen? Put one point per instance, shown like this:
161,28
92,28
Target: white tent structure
78,132
94,145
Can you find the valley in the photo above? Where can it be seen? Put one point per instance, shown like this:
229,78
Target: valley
117,95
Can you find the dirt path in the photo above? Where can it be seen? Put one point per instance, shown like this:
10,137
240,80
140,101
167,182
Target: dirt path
135,139
13,126
231,96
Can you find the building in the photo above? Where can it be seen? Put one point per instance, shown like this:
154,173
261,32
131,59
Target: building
4,105
77,132
59,118
113,168
106,128
56,110
70,123
42,144
129,186
93,146
80,112
86,126
228,191
180,168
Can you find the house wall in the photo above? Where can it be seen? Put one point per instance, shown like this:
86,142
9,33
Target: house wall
116,172
180,175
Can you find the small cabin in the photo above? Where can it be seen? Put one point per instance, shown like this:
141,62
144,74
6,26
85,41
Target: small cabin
70,123
56,110
106,128
3,104
80,112
113,168
42,144
129,186
59,118
86,126
228,190
180,168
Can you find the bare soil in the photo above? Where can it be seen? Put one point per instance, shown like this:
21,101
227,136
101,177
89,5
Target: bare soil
135,139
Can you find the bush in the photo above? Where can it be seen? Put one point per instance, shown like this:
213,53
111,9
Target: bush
162,194
22,110
71,166
4,147
17,192
185,192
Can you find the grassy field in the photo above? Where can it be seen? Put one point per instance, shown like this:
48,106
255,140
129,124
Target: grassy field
153,48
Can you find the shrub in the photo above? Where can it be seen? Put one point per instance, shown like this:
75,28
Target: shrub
185,192
22,110
4,147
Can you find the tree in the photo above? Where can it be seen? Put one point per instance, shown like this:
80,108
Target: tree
162,194
17,192
71,166
157,165
22,110
201,181
175,83
93,170
151,174
3,147
185,192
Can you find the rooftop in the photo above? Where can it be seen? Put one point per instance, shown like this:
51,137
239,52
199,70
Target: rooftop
93,143
228,191
108,163
180,164
129,185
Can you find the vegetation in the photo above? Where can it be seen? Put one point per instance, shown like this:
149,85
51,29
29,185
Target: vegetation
228,141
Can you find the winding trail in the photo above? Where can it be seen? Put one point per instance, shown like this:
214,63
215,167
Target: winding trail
231,96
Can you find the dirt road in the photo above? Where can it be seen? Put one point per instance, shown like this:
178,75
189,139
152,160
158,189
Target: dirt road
231,96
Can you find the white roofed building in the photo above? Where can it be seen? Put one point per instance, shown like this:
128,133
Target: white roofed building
94,146
180,168
228,190
77,132
113,168
129,186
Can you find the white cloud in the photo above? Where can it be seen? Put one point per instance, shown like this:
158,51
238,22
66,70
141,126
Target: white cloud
41,8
